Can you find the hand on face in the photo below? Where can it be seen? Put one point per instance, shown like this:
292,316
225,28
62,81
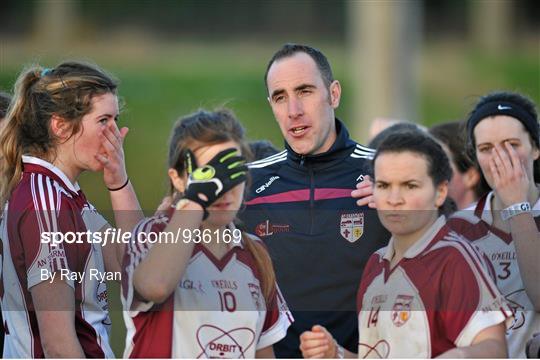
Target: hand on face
511,182
208,183
112,158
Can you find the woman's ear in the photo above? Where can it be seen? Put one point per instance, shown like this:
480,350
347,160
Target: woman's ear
441,193
178,182
60,127
471,177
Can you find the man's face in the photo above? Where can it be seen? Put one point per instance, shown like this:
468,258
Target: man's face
302,105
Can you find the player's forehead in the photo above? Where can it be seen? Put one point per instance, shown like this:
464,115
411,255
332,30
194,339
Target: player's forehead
499,128
204,153
293,71
398,167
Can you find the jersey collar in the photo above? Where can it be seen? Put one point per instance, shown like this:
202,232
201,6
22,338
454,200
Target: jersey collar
342,147
58,174
419,246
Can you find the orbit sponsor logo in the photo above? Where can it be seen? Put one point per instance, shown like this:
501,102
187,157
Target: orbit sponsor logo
401,311
351,226
215,342
266,229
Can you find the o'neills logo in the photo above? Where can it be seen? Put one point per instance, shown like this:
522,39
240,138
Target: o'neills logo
266,185
266,228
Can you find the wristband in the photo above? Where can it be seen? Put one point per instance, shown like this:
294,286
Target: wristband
515,209
119,188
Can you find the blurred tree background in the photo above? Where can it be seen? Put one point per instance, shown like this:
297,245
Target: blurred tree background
425,61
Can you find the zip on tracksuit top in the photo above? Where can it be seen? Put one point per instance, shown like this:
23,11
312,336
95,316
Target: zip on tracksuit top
318,238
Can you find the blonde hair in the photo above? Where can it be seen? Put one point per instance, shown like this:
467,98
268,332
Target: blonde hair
65,91
215,127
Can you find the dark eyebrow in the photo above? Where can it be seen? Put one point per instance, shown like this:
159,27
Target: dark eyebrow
304,87
277,92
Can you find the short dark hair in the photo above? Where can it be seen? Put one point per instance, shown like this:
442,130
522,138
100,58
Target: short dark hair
393,129
5,99
290,49
419,142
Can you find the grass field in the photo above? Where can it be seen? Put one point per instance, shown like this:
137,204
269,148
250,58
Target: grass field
159,83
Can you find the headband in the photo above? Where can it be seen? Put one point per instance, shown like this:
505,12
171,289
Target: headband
494,108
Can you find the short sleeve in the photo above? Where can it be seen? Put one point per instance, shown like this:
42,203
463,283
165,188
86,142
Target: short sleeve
470,301
93,219
136,250
37,230
277,321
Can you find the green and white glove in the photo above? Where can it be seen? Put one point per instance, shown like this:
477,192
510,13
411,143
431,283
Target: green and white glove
207,183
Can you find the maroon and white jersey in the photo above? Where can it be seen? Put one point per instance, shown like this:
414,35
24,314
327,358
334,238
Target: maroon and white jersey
46,201
217,310
436,298
475,224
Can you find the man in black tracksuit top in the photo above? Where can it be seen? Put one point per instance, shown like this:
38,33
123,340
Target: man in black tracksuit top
300,201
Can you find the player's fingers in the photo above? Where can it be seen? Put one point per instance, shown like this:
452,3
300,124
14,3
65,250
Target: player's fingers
311,335
362,192
505,158
315,352
498,162
123,132
368,200
115,141
103,160
106,143
494,171
512,155
365,183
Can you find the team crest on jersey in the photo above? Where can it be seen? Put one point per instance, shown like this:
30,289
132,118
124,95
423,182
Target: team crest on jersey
255,291
401,311
352,226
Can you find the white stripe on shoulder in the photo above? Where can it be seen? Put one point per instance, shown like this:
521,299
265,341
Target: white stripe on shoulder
363,156
267,163
271,157
365,148
473,258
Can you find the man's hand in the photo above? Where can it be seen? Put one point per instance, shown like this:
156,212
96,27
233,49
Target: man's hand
364,193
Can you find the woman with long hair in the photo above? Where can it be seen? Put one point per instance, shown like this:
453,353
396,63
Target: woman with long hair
194,285
61,122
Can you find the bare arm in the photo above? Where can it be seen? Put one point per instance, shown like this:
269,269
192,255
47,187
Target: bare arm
265,353
127,210
54,303
489,343
512,185
157,276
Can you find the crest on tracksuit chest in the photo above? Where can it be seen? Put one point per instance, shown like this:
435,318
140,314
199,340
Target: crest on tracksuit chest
352,226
